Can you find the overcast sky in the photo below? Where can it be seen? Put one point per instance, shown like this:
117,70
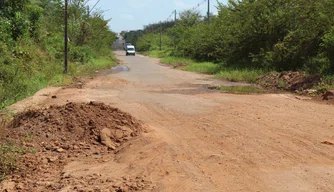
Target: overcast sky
134,14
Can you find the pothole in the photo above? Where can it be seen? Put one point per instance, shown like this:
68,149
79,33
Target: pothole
116,69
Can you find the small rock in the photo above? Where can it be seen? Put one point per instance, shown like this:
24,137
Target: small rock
60,150
66,147
118,134
127,129
327,143
48,147
65,175
45,161
8,185
310,91
52,159
125,179
105,139
29,145
75,147
19,186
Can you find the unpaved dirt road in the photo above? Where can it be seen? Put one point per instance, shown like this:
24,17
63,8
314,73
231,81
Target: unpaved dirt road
201,140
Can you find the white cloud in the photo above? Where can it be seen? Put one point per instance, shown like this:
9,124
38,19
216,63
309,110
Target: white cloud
127,17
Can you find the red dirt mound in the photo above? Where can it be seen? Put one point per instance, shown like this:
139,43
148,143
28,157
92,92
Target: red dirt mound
290,81
61,134
76,122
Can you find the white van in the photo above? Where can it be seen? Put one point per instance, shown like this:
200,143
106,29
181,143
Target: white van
126,45
130,50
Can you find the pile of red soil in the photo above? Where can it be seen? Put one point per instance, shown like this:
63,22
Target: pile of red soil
61,134
75,122
289,81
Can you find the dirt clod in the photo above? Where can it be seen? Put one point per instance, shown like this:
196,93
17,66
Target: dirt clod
106,140
327,143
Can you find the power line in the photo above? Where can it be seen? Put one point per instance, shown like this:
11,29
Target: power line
94,6
174,13
198,5
170,16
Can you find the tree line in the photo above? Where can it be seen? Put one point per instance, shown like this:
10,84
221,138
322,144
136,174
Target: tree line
268,34
32,43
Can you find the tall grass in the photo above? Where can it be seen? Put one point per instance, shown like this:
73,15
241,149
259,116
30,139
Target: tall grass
246,75
241,89
176,61
23,84
191,65
202,67
326,84
219,70
94,65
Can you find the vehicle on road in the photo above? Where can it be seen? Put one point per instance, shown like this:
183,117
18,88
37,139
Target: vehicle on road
126,45
130,50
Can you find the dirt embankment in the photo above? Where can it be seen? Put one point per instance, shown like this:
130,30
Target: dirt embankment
289,81
61,134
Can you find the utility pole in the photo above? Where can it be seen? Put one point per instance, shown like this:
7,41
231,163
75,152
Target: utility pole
160,36
88,11
209,12
175,25
66,38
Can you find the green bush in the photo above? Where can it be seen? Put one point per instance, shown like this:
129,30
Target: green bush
202,67
247,34
32,45
80,54
246,75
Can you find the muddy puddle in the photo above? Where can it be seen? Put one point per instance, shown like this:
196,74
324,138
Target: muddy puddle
114,70
193,89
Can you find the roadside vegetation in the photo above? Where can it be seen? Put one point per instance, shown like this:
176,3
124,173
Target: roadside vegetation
247,39
32,48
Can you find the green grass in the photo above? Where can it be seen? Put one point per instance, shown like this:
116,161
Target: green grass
176,61
235,75
51,74
202,67
191,65
242,89
94,65
157,53
246,75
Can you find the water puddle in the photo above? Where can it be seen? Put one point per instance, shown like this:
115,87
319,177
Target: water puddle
116,69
